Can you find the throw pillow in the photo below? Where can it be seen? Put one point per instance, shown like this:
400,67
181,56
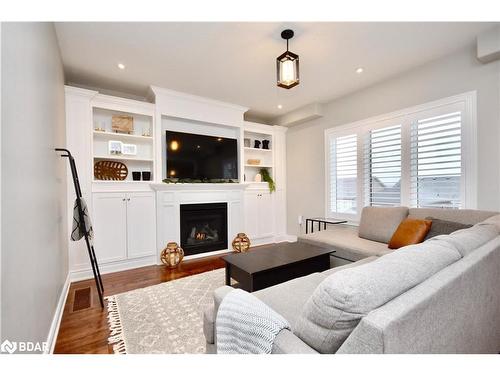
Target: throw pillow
379,223
443,227
410,232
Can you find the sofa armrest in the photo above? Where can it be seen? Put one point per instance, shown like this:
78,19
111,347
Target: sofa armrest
287,343
210,314
219,295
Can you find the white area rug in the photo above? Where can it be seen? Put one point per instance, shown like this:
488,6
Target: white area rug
164,318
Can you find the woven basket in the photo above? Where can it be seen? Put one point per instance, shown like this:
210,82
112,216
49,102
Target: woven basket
253,161
110,170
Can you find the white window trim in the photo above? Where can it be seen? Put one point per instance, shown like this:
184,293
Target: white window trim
469,148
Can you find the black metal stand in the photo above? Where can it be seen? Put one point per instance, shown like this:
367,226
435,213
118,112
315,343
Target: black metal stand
321,220
90,246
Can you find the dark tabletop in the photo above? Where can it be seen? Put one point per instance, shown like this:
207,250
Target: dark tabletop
273,256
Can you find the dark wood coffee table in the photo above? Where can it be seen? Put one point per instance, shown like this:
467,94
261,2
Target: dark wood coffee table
274,264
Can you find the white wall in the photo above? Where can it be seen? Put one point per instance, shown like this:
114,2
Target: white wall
454,74
33,193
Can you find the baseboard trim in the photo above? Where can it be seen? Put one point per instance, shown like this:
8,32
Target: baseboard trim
86,274
56,320
286,238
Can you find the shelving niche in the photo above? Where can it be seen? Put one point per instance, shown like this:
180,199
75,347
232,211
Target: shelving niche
141,137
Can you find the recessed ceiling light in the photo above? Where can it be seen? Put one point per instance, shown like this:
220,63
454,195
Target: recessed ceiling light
121,66
280,106
359,70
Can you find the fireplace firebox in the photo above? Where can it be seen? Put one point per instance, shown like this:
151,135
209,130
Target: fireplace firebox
203,227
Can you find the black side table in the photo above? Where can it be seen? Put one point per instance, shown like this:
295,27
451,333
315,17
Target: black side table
322,220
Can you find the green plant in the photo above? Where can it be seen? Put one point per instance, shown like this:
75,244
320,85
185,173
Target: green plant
267,178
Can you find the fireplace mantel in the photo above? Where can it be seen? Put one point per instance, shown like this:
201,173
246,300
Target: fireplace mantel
198,186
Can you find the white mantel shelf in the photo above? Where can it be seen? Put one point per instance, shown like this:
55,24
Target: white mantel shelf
197,186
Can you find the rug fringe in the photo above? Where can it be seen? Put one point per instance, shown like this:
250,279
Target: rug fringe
115,327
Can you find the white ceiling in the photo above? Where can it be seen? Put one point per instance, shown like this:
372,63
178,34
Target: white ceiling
236,62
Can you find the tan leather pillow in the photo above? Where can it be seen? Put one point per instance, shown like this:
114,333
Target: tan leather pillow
410,232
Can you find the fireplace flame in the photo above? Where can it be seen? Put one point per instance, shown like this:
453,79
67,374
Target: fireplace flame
200,236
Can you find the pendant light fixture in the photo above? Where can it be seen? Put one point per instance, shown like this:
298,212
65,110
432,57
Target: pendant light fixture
287,65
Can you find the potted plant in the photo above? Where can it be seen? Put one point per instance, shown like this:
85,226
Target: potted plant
267,178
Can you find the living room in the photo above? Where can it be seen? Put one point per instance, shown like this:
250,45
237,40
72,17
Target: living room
193,186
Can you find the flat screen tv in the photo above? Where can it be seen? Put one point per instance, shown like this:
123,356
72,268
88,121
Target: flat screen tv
201,157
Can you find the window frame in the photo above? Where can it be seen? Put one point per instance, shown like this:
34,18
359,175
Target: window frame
467,102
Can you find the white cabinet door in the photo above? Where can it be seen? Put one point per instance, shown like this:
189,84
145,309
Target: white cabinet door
252,214
266,214
110,223
141,224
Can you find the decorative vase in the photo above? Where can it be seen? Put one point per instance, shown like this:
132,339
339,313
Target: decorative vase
256,144
246,142
172,255
258,178
265,145
146,176
241,243
136,176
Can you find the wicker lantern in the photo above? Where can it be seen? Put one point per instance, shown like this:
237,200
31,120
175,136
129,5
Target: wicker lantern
172,255
241,243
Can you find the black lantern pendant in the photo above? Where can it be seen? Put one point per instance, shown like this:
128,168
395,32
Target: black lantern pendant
287,65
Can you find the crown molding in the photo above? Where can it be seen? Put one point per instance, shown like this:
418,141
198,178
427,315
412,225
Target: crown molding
159,91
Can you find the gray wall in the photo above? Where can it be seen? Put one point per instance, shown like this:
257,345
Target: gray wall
454,74
34,255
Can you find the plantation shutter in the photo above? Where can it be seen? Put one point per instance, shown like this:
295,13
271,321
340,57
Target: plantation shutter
343,174
436,161
382,165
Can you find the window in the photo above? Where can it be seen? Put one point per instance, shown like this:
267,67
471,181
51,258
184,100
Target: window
419,157
383,167
436,154
343,174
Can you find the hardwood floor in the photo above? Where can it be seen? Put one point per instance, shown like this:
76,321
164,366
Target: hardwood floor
86,331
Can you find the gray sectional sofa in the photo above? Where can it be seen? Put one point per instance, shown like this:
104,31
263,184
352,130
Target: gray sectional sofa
440,296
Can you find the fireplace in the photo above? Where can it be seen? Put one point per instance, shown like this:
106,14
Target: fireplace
203,227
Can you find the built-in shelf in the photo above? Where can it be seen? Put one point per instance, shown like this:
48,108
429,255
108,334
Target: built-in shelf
121,157
257,149
258,166
122,136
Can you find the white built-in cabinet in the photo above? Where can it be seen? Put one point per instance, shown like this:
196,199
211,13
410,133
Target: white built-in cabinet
259,215
133,220
265,212
124,225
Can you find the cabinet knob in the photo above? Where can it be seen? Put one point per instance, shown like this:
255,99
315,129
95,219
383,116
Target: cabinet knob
123,199
128,199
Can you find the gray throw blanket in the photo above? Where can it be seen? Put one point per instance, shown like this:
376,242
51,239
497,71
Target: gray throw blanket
246,325
79,229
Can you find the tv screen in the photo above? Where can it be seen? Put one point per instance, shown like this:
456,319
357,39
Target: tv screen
194,156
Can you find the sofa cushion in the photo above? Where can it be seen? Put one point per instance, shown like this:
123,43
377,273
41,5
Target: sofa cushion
289,298
345,241
379,223
440,227
464,216
468,240
409,232
342,299
493,220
